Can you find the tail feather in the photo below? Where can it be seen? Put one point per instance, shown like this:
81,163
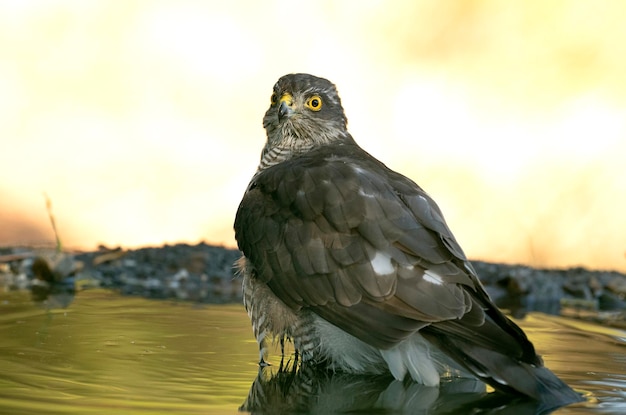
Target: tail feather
519,370
510,375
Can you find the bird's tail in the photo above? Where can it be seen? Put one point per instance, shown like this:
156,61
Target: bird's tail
498,353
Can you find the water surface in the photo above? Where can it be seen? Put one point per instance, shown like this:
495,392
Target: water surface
109,353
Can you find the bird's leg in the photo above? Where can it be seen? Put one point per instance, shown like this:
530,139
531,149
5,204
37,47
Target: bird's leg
282,352
262,352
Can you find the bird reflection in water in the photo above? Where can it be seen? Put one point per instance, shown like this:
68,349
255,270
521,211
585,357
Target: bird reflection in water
306,389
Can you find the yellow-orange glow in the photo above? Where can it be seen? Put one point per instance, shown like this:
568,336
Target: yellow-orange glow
142,120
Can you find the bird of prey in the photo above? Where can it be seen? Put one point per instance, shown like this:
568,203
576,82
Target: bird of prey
355,264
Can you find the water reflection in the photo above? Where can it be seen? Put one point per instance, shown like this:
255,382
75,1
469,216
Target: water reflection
53,294
311,391
108,353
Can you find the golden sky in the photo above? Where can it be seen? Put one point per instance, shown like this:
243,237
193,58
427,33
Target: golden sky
141,120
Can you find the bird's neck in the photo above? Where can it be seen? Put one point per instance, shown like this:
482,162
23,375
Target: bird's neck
273,155
283,147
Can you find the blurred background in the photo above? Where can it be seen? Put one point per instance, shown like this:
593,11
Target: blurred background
141,120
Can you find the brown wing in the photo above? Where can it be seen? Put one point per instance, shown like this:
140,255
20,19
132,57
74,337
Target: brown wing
364,247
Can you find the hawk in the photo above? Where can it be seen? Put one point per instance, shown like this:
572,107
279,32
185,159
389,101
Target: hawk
356,265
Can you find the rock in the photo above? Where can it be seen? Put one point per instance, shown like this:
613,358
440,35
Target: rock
579,289
201,273
617,285
611,301
205,274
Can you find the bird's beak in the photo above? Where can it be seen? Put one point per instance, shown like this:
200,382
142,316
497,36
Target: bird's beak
285,109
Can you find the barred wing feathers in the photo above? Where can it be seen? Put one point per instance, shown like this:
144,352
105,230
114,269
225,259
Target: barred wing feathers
338,232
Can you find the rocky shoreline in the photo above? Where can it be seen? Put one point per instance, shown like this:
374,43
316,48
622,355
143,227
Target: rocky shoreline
205,273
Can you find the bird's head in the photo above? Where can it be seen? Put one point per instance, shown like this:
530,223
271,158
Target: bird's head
305,112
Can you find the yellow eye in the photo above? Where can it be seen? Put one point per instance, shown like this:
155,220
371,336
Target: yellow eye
314,103
273,99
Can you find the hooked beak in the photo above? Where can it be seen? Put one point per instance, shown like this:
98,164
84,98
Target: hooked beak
285,109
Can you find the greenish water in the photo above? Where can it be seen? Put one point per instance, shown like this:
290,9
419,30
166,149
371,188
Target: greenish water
107,353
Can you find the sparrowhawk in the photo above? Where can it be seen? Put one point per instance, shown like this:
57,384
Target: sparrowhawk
356,265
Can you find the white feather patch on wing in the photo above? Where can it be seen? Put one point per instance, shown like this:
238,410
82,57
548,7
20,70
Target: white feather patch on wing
432,277
381,264
365,194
